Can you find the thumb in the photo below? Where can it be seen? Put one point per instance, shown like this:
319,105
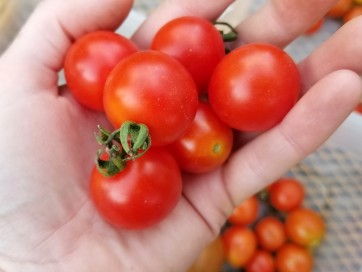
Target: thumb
38,51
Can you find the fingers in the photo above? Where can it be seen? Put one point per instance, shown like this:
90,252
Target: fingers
175,8
315,117
341,51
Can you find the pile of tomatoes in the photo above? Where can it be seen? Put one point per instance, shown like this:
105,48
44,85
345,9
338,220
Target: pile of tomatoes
270,231
173,107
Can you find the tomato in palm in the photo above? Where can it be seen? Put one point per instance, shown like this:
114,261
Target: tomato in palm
206,144
246,212
305,227
286,194
152,88
254,86
90,60
195,42
270,233
262,261
239,245
142,194
293,258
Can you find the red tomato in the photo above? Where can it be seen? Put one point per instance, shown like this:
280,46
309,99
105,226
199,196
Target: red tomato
246,212
286,194
352,13
239,245
359,108
262,261
90,60
293,258
305,227
270,233
142,194
206,144
154,89
196,43
340,8
254,87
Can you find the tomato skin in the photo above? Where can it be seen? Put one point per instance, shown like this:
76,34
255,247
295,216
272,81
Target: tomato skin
90,60
293,258
254,86
196,43
152,88
239,245
286,194
305,227
262,261
207,143
246,212
142,194
270,233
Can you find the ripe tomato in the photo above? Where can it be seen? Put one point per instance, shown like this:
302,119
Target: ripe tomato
305,227
286,194
196,43
352,13
246,212
206,144
340,8
254,86
152,88
270,233
90,60
262,261
140,195
293,258
358,109
239,245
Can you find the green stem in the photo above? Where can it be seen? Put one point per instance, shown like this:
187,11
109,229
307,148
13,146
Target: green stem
230,35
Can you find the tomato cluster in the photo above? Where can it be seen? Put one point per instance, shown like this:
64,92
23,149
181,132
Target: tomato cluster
173,107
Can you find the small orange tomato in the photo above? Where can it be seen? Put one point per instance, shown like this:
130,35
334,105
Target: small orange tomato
262,261
270,233
340,8
246,213
293,258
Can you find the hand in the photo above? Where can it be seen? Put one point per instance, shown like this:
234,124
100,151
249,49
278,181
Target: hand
47,146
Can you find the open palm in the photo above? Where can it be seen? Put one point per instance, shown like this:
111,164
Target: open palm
48,223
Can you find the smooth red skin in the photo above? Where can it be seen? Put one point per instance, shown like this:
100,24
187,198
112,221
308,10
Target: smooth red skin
262,261
254,87
270,233
143,194
152,88
90,60
240,245
305,227
196,43
286,194
195,151
246,212
293,258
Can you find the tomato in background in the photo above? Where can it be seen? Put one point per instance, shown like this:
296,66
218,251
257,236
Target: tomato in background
207,143
286,194
293,258
89,61
142,194
340,8
254,86
262,261
154,89
305,227
246,212
196,43
270,233
239,245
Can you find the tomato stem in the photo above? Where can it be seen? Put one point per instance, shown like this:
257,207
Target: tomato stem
230,35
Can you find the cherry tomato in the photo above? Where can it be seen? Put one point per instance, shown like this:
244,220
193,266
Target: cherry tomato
142,194
239,244
90,60
340,8
305,227
246,212
196,43
359,108
152,88
286,194
254,86
206,144
352,13
270,232
293,258
262,261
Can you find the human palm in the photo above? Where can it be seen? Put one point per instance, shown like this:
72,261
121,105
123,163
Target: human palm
48,222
